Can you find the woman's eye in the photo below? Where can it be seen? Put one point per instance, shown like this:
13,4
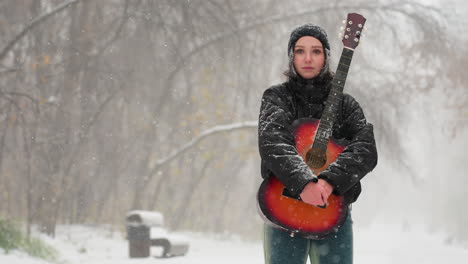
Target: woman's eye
317,51
299,51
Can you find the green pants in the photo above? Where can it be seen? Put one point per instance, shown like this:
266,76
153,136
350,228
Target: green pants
280,248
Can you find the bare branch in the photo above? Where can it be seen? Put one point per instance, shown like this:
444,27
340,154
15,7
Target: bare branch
84,133
209,132
118,31
35,22
19,94
7,71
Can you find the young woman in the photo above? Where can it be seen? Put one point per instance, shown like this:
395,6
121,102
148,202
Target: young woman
303,96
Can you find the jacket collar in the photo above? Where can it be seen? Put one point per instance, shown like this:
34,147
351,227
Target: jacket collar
311,90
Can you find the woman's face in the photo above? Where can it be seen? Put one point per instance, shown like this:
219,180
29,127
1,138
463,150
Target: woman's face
309,57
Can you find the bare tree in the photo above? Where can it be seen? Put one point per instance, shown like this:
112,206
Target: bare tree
115,105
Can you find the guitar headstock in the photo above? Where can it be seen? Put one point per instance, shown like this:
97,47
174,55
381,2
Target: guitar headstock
353,30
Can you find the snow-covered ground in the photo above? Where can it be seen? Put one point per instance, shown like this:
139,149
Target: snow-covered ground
375,244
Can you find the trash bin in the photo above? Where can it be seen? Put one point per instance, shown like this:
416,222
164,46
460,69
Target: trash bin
139,224
139,241
145,229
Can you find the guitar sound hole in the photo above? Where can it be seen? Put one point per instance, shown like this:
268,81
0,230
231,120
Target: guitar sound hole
316,158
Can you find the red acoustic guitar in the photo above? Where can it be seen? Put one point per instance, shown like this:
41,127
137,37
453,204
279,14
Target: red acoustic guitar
314,143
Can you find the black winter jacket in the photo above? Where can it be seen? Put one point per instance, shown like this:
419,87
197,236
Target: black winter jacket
281,106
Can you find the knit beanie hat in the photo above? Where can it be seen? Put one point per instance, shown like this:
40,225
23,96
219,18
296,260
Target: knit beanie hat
313,31
308,30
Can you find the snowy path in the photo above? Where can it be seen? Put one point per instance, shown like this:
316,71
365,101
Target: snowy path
85,245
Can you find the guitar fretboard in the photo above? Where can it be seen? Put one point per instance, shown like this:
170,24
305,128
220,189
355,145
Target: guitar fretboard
325,127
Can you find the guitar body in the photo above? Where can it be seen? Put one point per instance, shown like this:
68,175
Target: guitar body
291,214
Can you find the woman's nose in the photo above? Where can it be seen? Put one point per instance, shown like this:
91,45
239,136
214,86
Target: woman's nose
308,57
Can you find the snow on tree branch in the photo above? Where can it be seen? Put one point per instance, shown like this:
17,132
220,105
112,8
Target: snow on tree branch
209,132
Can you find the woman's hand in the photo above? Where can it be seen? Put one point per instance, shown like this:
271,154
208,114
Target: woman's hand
317,193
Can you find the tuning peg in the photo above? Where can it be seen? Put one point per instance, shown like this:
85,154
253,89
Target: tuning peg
343,21
362,39
361,42
341,32
365,32
367,26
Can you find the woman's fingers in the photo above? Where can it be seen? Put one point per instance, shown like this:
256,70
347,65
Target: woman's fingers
314,194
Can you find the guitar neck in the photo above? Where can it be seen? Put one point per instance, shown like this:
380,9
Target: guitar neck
342,71
324,130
